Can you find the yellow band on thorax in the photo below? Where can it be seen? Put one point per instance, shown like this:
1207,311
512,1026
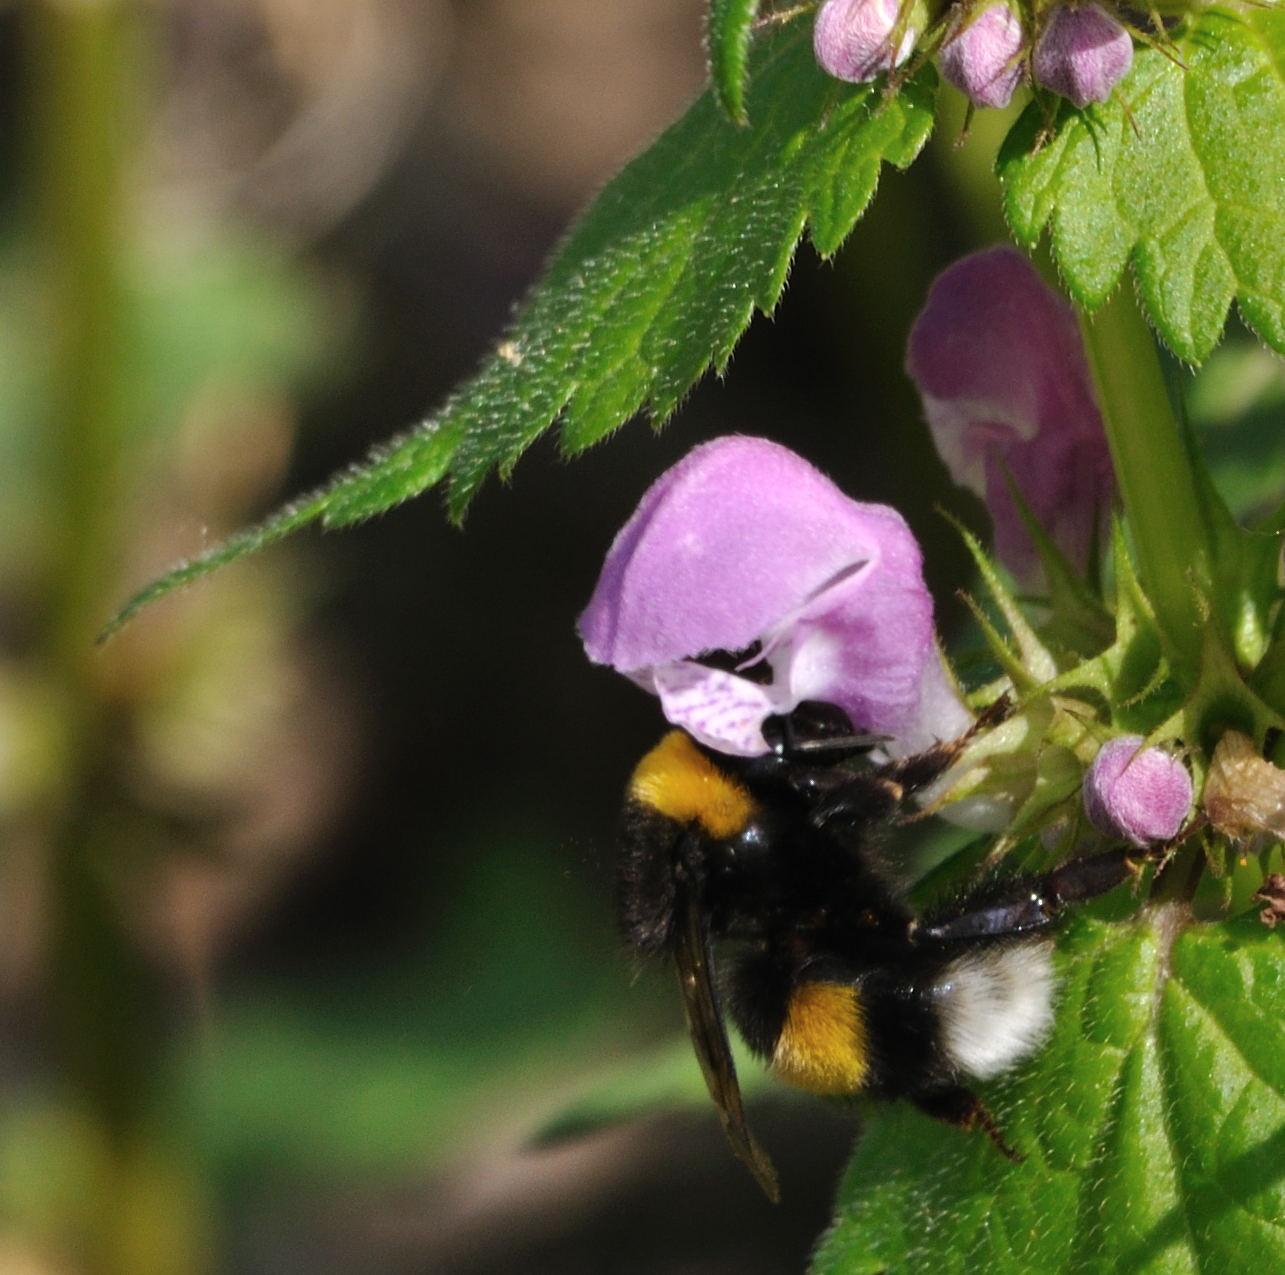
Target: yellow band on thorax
679,781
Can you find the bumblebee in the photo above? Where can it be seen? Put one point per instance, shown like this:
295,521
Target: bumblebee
830,976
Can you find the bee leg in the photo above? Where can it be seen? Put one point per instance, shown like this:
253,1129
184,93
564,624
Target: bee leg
817,732
866,799
1079,880
1035,902
811,744
823,735
872,797
965,1110
920,769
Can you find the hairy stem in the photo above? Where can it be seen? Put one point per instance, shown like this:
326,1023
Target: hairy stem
1154,470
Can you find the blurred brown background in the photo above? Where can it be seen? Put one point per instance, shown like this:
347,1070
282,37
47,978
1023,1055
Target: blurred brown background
306,877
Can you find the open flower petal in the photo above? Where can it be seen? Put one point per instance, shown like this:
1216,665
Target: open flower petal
1000,367
743,547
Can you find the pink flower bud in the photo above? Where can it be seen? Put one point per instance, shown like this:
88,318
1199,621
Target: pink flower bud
984,59
852,39
1082,53
1142,795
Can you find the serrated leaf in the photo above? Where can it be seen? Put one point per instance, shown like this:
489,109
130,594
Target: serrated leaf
1034,663
1182,173
1153,1125
656,284
729,46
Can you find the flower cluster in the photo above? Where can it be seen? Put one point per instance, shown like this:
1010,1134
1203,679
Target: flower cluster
1078,50
747,585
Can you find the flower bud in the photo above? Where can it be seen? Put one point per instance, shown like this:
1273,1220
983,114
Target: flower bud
1082,53
853,39
983,59
1244,793
1142,795
997,357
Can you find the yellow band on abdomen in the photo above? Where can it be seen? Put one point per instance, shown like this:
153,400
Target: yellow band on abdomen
822,1047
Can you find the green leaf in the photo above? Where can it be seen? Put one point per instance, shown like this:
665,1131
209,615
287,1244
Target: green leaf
1182,173
729,46
656,283
1033,663
1153,1126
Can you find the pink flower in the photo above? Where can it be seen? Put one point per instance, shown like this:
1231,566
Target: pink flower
745,548
852,39
1142,795
983,59
998,361
1082,53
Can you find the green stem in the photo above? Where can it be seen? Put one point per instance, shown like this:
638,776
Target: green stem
1154,471
81,86
100,998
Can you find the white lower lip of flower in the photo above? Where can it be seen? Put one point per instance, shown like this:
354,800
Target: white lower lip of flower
962,429
715,707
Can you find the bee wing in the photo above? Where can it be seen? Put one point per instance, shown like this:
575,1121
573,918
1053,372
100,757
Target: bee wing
709,1040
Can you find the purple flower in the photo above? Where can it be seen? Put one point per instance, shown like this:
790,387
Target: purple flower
983,59
745,547
852,39
1082,53
1142,795
999,364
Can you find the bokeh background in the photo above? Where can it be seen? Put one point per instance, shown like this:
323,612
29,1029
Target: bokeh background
307,960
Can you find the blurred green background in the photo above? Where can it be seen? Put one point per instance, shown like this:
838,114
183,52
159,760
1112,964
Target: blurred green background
306,876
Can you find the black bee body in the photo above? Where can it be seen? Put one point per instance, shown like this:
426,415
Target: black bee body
828,975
